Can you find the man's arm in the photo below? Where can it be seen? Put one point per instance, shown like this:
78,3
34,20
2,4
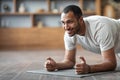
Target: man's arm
68,61
109,62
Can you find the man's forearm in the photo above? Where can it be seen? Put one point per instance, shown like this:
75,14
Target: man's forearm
65,65
102,67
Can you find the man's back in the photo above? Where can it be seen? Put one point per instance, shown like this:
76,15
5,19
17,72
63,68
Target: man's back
106,31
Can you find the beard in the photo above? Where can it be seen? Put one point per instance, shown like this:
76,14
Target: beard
75,30
78,28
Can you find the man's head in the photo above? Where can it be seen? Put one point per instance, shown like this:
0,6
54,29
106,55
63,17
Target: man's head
73,8
71,19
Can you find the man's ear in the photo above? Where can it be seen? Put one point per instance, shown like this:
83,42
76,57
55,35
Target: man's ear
81,19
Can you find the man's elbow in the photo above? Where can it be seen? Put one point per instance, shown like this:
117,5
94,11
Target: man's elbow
113,66
72,63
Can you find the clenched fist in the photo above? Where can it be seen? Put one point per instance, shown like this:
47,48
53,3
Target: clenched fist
82,67
50,64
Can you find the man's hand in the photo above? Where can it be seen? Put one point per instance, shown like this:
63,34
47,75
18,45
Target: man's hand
82,68
50,64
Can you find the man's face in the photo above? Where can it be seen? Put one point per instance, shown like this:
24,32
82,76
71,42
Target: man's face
70,23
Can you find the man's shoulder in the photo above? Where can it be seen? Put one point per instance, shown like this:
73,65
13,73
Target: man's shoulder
93,17
93,21
98,18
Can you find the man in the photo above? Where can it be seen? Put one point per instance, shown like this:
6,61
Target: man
95,33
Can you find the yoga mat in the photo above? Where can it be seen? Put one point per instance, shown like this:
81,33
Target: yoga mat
67,73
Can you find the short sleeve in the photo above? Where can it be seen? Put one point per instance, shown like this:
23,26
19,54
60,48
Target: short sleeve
105,38
69,42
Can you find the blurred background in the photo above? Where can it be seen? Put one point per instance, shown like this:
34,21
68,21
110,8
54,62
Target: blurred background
35,24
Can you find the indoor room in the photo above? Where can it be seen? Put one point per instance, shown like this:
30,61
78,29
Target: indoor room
59,39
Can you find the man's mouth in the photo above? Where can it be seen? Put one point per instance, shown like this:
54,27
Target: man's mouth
69,31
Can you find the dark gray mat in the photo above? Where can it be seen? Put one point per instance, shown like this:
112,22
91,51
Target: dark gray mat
68,73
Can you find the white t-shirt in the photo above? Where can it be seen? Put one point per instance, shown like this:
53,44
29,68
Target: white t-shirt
102,33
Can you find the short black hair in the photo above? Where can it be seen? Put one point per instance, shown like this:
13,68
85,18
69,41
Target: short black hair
75,9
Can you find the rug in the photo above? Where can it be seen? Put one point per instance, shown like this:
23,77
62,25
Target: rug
67,73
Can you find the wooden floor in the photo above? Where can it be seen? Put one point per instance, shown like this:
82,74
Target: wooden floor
14,64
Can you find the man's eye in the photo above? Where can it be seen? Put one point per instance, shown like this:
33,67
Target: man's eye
62,22
70,22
